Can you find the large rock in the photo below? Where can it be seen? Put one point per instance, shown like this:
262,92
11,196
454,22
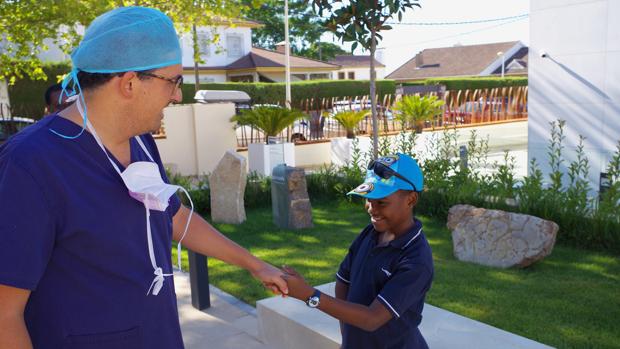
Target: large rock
289,196
499,239
227,185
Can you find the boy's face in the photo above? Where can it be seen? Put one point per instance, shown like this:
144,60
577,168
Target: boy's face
392,214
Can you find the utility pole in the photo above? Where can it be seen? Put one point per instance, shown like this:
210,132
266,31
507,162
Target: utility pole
500,53
287,58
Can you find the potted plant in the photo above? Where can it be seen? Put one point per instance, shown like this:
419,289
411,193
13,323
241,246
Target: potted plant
415,110
341,148
271,121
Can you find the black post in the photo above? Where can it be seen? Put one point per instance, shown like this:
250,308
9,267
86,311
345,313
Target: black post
199,280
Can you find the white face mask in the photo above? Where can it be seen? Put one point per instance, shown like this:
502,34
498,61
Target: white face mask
144,183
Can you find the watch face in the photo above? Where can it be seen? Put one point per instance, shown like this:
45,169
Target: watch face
313,302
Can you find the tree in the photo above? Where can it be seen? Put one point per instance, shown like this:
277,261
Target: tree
349,120
26,23
416,110
360,22
322,51
270,120
304,26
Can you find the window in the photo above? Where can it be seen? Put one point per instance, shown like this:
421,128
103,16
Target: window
204,43
341,76
234,45
351,75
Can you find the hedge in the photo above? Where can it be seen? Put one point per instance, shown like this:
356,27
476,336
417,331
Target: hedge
28,96
274,93
460,83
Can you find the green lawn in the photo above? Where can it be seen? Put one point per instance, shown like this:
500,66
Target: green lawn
569,300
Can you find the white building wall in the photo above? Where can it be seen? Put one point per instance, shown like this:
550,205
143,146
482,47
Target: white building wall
218,54
361,73
578,81
204,77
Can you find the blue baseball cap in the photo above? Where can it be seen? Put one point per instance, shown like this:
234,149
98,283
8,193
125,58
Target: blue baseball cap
388,174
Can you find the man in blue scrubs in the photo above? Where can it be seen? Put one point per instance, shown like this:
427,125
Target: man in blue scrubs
86,215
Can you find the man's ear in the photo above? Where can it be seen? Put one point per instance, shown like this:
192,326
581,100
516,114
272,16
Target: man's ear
127,84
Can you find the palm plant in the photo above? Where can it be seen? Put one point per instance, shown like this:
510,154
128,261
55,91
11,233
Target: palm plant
349,119
415,110
269,120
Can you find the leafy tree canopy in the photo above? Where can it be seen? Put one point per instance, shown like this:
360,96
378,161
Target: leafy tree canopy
305,27
27,23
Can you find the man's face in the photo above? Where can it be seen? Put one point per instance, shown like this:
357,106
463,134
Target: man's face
158,93
392,214
54,106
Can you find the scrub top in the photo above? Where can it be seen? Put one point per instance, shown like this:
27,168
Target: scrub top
71,234
398,274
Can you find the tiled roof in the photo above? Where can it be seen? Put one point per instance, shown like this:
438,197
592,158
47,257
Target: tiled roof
354,61
259,57
451,61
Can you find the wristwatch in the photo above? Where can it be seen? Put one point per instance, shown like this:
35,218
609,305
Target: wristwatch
314,300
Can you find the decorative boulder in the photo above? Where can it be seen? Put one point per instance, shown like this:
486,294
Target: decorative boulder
227,185
289,197
499,239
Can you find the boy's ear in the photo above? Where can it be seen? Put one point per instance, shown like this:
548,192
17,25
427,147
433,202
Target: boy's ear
412,199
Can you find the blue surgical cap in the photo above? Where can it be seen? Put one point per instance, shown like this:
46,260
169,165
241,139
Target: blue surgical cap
124,39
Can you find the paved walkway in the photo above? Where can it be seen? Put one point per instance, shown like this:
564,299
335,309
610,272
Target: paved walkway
227,324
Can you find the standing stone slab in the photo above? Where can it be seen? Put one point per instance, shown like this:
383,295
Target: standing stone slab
289,197
227,185
499,239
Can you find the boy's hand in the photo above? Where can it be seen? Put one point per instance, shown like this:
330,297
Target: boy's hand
297,286
272,278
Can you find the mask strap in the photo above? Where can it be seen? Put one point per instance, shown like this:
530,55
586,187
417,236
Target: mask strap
72,77
139,140
189,218
96,136
158,280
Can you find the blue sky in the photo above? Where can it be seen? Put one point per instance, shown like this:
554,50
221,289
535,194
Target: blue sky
404,41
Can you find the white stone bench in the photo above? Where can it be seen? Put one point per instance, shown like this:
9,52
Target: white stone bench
286,323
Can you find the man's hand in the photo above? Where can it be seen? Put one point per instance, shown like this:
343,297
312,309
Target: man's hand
298,287
272,278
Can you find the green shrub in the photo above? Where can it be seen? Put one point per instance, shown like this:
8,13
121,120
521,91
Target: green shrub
274,93
470,83
28,96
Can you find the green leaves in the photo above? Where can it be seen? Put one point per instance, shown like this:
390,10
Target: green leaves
270,120
356,20
349,120
416,109
27,23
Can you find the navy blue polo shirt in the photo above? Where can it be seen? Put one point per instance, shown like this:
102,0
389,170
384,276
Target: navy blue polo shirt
398,274
71,234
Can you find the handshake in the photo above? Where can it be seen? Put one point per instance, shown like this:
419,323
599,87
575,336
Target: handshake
286,282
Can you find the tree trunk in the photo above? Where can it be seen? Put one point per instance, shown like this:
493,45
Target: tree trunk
196,57
373,96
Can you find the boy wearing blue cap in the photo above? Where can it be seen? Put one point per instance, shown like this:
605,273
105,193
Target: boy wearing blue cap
383,280
87,214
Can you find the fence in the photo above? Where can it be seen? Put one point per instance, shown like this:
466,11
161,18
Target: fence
462,107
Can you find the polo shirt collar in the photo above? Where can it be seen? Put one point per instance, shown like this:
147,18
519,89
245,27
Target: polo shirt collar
407,239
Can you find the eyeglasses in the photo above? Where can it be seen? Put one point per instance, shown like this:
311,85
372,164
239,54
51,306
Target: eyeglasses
176,81
386,172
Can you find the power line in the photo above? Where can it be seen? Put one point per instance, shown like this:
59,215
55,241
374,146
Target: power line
525,15
455,35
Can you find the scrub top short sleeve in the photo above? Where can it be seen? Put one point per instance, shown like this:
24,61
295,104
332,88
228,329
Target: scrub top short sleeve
26,227
407,287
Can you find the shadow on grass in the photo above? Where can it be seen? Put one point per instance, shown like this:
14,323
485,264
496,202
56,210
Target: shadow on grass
568,300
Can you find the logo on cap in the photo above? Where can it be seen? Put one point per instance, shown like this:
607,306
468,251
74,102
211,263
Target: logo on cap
388,160
364,188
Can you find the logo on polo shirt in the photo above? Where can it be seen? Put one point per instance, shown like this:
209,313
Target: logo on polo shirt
386,272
